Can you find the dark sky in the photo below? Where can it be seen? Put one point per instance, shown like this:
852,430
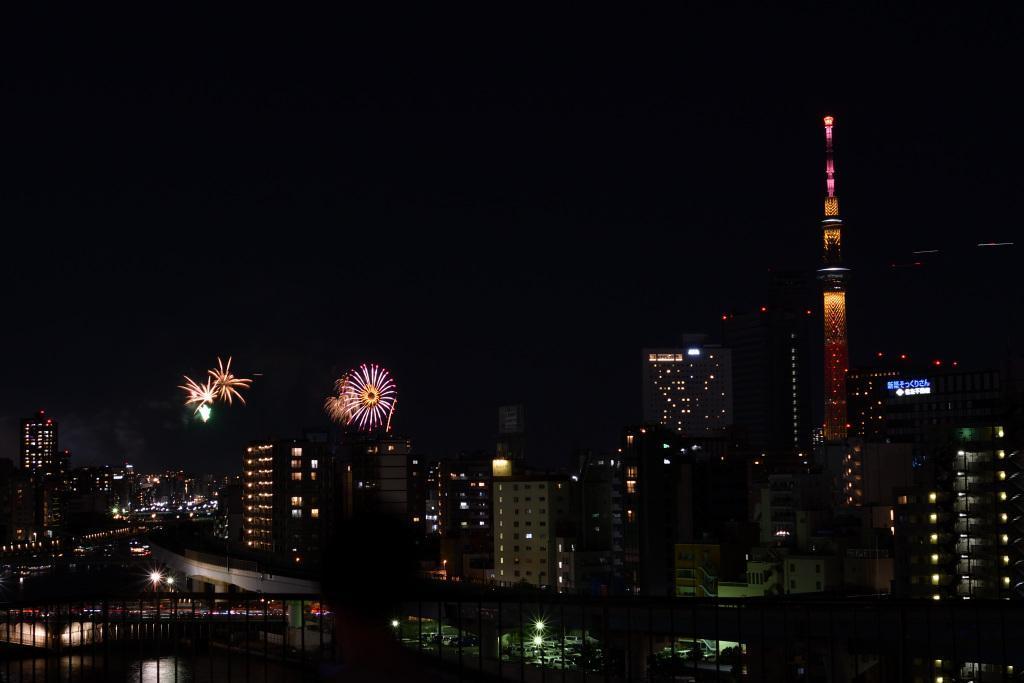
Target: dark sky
498,208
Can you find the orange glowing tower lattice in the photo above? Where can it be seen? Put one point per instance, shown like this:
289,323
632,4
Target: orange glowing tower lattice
833,280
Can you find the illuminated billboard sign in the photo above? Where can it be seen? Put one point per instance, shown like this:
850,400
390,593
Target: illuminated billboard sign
910,387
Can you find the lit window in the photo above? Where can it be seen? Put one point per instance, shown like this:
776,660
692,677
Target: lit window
315,514
297,512
296,476
313,464
296,501
296,452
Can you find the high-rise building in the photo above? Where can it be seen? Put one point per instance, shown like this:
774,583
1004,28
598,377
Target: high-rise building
689,389
869,472
465,505
771,359
906,402
597,553
17,503
283,498
959,536
39,443
432,497
375,476
528,511
673,490
833,276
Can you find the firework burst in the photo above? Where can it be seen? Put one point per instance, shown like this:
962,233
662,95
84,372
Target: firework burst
199,394
336,405
364,397
221,385
225,384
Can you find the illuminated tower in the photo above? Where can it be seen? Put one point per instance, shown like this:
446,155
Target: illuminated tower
833,285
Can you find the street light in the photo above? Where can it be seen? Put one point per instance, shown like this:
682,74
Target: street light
156,577
394,623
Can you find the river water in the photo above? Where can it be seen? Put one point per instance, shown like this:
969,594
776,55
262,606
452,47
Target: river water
186,669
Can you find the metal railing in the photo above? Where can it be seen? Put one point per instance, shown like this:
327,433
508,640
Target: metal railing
167,636
462,632
561,638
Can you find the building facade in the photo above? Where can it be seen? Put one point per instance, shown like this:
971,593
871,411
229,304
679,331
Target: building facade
673,491
283,498
376,475
689,389
528,513
39,444
771,359
960,535
465,515
901,402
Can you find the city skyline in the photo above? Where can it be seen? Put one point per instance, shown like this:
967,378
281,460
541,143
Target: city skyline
609,214
474,350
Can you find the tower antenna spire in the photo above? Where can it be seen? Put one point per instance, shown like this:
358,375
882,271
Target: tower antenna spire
833,284
831,201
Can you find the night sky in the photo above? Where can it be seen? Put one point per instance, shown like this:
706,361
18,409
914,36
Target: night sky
498,209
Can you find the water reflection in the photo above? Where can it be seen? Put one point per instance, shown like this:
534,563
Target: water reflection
200,669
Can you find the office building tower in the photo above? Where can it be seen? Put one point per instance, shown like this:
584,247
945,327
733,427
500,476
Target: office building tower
595,559
689,389
39,444
771,359
674,491
907,402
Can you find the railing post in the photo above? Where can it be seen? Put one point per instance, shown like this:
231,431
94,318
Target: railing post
901,625
106,639
247,638
522,645
501,654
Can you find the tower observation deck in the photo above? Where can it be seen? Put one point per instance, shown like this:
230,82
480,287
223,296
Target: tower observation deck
833,275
